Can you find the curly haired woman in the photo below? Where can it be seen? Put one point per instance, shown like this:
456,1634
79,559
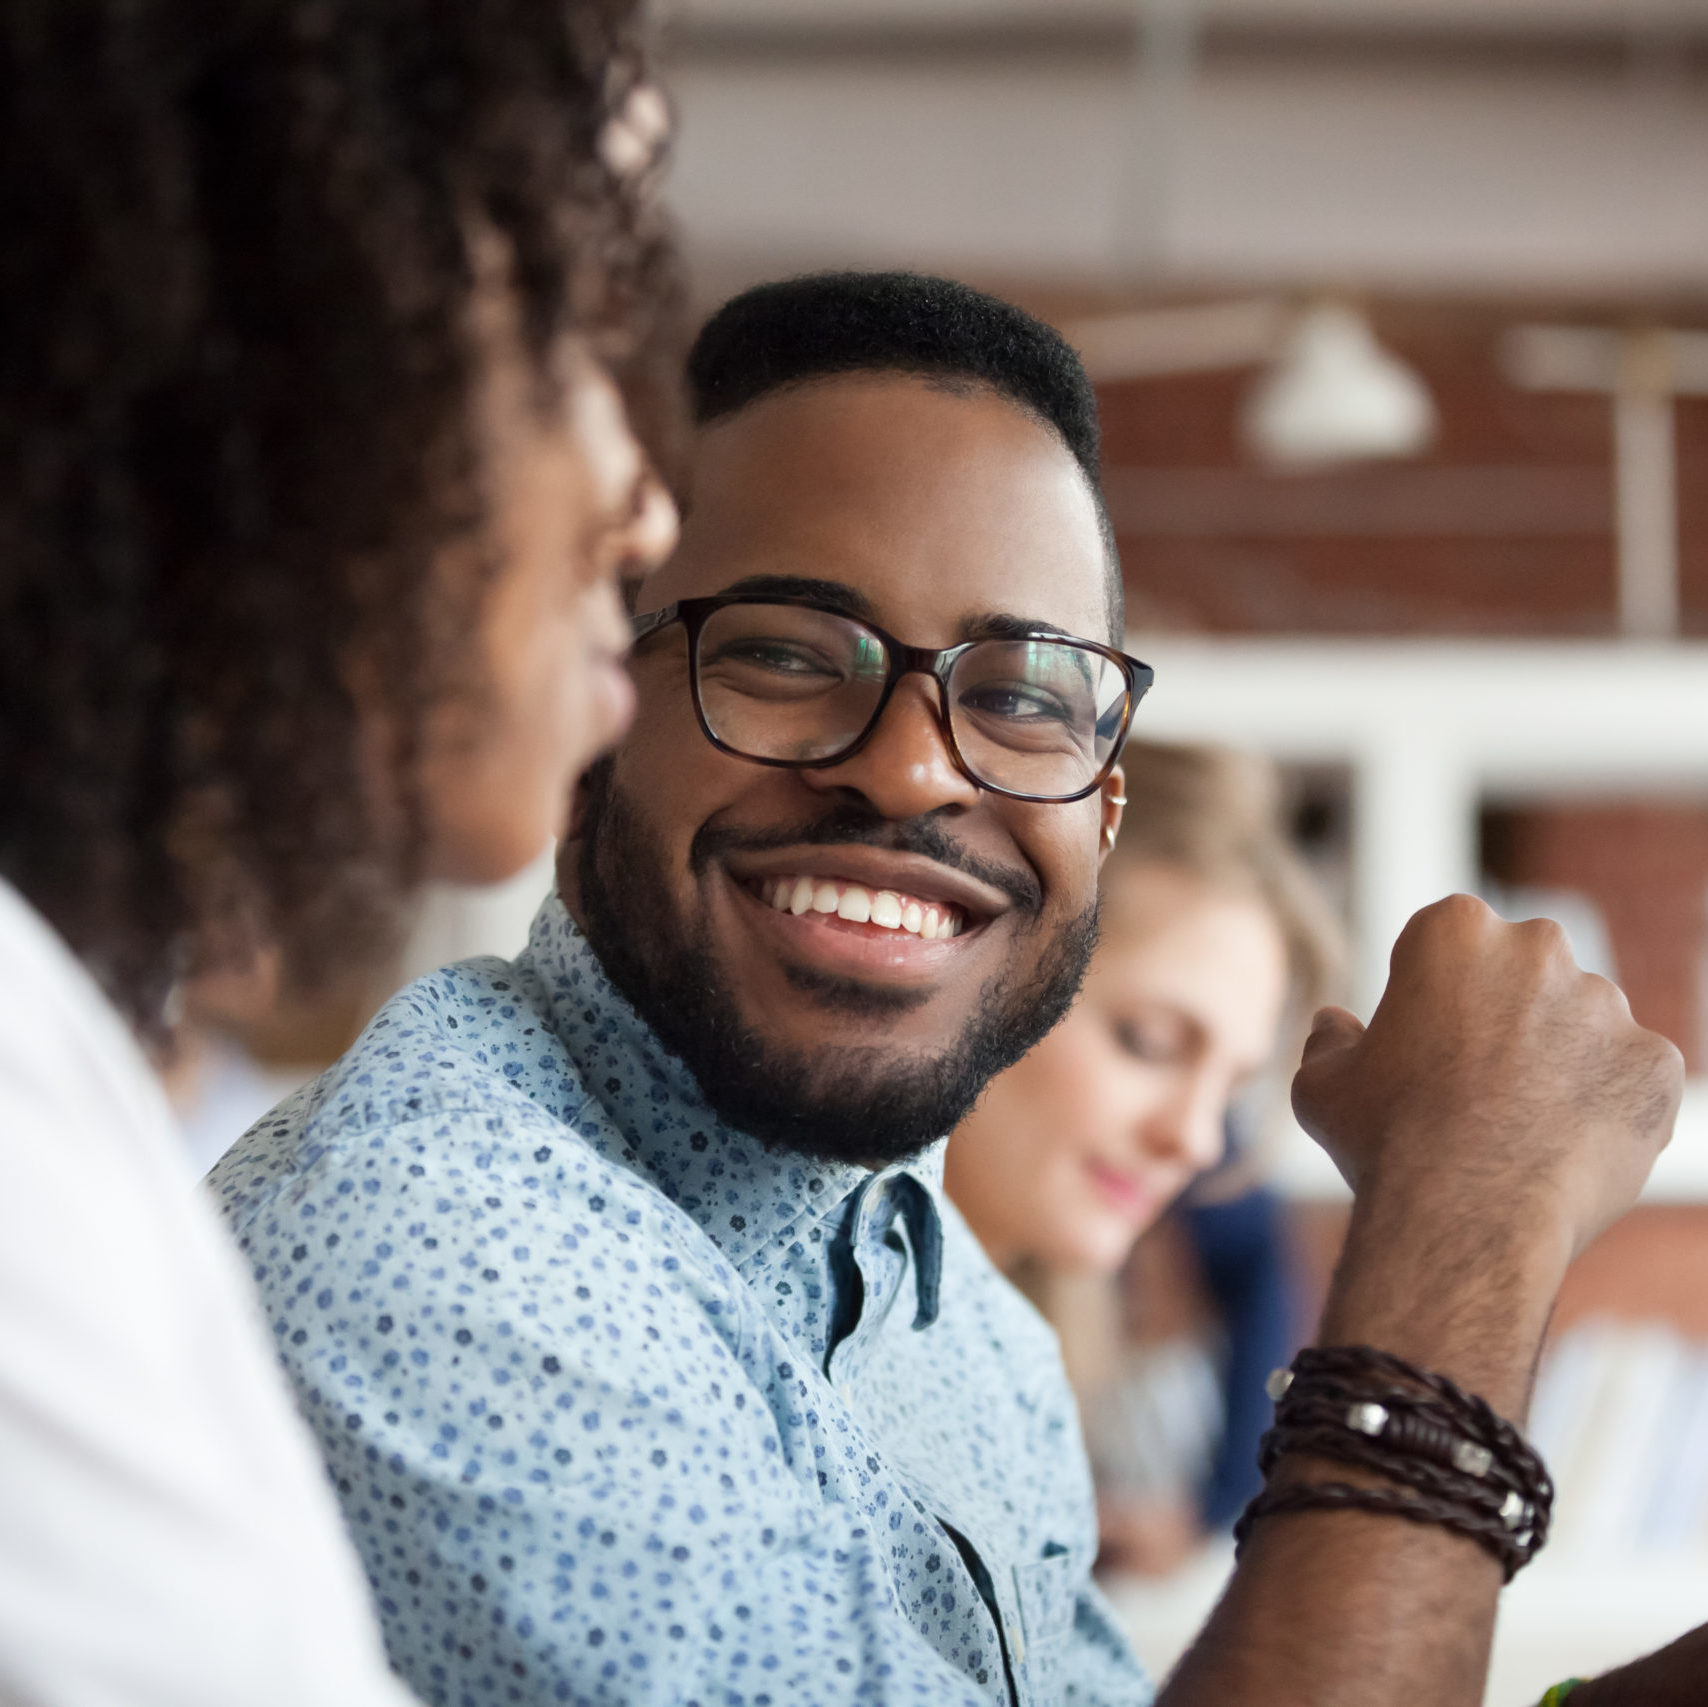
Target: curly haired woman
314,490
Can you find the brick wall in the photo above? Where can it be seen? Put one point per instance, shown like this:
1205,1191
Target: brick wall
1505,526
1645,865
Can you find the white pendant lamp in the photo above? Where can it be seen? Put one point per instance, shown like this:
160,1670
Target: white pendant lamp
1335,395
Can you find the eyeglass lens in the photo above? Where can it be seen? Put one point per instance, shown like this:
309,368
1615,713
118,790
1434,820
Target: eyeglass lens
786,682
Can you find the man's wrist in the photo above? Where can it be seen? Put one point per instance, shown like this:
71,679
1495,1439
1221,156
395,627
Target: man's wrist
1441,1282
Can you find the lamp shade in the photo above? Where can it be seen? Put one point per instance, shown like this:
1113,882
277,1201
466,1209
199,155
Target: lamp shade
1335,395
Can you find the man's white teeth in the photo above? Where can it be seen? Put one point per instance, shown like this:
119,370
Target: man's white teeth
855,905
859,905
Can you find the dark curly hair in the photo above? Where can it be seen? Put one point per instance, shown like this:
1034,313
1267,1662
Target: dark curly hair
236,401
792,331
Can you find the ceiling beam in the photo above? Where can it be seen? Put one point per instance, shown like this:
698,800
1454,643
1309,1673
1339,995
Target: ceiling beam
1588,46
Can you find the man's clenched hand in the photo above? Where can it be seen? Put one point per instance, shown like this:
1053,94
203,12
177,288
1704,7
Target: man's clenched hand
1496,1082
1501,1109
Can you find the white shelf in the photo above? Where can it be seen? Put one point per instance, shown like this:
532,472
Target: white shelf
1303,1171
1428,729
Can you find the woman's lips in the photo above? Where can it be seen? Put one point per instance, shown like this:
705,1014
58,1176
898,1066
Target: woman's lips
1126,1191
613,698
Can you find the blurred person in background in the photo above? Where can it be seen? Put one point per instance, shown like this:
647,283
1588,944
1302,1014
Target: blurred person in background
314,493
1212,936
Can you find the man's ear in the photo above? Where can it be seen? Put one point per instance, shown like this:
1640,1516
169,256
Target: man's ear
1113,800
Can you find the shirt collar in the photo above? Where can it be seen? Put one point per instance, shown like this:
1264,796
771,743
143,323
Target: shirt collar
750,1199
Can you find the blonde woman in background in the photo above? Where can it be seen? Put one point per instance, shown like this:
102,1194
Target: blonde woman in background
1214,943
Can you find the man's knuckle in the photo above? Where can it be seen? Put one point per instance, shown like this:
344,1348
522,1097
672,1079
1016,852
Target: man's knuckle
1651,1079
1668,1058
1436,916
1544,938
1603,995
1460,910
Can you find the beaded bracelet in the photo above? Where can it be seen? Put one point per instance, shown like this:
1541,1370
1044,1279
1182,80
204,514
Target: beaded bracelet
1559,1692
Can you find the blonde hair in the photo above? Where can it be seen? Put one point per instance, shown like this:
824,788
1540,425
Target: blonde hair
1217,814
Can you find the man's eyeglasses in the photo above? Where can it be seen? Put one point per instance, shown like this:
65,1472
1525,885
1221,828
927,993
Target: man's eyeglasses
789,682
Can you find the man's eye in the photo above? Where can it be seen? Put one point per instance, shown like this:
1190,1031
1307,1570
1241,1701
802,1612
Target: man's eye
779,657
1016,703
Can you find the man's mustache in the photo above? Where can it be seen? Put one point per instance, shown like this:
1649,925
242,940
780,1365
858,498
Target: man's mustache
854,823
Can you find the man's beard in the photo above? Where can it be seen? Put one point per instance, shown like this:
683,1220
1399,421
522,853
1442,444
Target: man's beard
855,1104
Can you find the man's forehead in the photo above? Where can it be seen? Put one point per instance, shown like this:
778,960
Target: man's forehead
937,506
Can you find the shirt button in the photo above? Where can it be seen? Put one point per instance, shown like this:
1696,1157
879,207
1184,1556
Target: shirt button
1019,1649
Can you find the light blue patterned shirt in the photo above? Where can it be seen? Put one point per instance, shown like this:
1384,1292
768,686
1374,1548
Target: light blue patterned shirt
626,1408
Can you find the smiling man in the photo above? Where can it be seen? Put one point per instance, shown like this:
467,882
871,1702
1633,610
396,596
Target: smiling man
617,1279
880,890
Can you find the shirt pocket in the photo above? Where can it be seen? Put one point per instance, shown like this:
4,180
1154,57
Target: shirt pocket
1047,1592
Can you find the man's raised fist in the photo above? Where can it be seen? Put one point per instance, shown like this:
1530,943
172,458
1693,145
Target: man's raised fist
1496,1081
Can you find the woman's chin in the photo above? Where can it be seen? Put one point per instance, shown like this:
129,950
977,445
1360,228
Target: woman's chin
1097,1245
1109,1257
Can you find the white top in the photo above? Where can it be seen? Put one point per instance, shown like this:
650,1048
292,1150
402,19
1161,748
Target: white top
168,1537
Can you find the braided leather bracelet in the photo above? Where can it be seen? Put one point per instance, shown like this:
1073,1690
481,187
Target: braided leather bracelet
1390,1502
1452,1460
1444,1463
1481,1420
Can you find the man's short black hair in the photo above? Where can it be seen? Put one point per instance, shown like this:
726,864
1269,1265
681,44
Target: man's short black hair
797,330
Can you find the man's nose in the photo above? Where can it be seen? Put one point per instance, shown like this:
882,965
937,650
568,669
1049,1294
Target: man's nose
905,769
